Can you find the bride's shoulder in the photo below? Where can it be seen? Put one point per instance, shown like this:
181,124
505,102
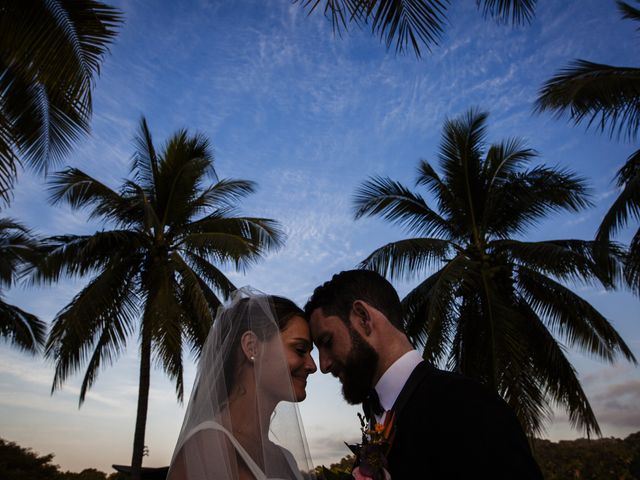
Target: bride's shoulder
287,462
208,447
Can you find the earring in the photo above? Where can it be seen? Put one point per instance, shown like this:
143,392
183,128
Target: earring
252,358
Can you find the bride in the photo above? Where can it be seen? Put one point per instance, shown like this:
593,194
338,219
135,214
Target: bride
242,421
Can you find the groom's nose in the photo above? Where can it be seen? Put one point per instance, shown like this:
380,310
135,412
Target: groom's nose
325,363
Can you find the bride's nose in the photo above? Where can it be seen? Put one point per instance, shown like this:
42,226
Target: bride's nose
310,365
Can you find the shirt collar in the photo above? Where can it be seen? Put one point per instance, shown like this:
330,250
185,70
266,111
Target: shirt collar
390,384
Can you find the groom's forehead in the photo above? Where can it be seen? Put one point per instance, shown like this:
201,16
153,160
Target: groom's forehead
322,323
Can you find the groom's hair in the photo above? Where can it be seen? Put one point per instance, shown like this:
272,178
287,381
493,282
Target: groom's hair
336,296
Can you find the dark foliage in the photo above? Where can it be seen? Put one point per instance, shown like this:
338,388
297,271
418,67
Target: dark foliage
607,98
606,458
50,54
17,463
411,24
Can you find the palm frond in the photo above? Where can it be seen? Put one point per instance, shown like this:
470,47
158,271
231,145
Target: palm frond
504,159
108,302
531,195
505,11
445,198
247,238
185,162
223,194
412,24
502,164
408,23
79,255
576,261
604,96
177,208
21,329
396,203
632,264
198,302
111,340
18,250
462,144
430,309
223,247
81,191
627,204
501,351
628,12
51,53
193,297
572,317
164,316
209,274
407,258
144,164
558,377
341,12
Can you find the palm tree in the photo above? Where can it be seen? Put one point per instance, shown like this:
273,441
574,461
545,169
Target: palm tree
18,248
50,52
412,23
156,270
496,304
607,98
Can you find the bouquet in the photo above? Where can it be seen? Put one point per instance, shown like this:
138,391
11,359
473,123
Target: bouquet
371,454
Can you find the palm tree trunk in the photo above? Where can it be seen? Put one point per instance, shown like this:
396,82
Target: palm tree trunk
493,380
143,402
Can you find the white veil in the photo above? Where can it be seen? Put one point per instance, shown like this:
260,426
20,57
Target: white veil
213,443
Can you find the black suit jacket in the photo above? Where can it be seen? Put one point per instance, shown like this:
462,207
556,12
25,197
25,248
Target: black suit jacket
451,427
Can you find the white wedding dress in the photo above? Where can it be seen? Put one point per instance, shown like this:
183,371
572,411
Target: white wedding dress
249,462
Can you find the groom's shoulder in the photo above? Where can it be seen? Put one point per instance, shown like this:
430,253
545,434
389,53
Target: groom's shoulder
444,384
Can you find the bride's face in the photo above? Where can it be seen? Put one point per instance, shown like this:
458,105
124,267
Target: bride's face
296,340
296,346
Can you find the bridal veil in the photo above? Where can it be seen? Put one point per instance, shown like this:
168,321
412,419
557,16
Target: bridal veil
209,446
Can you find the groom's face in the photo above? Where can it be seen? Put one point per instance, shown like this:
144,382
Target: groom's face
345,354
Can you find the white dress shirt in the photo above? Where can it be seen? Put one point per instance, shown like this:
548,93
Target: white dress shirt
390,384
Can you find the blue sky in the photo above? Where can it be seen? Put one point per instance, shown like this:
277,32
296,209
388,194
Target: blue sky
309,116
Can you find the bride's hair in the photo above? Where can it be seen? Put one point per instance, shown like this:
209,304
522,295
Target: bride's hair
248,314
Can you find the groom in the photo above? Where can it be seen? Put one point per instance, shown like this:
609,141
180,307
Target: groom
447,426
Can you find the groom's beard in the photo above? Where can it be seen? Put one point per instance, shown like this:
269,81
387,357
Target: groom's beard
359,369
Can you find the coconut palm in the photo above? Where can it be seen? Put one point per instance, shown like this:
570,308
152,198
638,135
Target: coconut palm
608,98
412,24
18,247
156,269
50,52
496,305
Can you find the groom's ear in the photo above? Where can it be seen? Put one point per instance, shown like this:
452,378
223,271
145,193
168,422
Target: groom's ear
362,316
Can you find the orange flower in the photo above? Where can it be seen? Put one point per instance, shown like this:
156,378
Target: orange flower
388,424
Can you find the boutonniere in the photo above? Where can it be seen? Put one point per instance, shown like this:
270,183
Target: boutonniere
371,454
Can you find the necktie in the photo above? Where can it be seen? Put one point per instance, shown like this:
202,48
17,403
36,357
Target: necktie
372,406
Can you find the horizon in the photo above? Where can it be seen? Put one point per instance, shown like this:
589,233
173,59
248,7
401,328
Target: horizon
309,116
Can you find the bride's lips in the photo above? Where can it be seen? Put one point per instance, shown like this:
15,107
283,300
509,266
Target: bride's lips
303,380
